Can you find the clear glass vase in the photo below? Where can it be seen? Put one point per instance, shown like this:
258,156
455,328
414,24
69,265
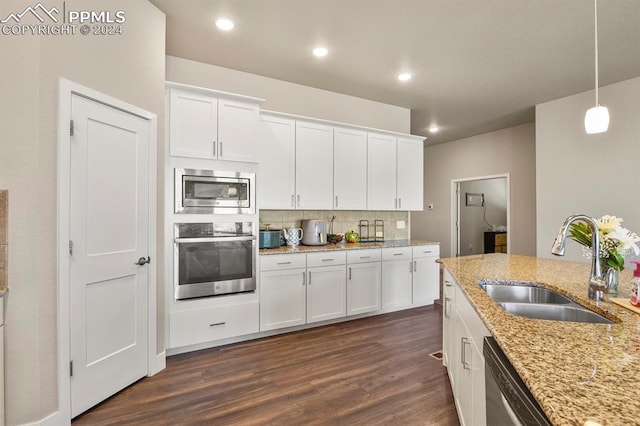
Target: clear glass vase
612,275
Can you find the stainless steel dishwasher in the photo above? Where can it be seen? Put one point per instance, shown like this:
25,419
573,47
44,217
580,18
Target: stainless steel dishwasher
509,402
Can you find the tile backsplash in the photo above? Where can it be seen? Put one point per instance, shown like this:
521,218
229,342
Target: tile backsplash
4,211
345,221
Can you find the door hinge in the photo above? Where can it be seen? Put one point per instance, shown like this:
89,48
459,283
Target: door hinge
70,248
70,127
70,368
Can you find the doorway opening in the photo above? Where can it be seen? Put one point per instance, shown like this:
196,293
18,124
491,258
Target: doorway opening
480,210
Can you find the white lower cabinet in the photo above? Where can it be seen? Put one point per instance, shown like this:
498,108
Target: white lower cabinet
426,274
296,289
364,280
397,286
283,298
190,327
463,338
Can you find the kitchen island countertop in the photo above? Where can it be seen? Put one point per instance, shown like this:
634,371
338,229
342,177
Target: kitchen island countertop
556,359
344,246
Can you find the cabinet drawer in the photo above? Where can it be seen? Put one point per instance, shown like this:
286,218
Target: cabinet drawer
326,258
206,325
363,256
282,261
398,253
426,251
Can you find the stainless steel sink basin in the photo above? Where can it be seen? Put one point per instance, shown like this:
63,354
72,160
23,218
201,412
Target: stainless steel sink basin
523,294
573,312
531,301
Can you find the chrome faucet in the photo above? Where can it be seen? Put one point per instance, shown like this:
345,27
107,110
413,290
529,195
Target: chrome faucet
597,286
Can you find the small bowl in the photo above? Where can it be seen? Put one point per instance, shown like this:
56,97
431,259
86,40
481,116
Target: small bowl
334,238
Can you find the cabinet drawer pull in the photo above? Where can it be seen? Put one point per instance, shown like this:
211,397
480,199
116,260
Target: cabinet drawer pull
217,323
427,251
398,254
365,257
328,260
284,263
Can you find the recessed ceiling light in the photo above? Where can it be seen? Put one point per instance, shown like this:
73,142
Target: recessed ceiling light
433,129
320,52
225,24
404,76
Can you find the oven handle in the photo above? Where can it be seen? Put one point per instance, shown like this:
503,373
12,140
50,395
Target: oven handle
214,239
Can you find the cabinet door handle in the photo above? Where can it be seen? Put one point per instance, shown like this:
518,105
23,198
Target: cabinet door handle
304,278
399,203
298,200
395,203
217,323
220,149
215,144
448,284
336,201
463,355
309,278
349,272
410,267
415,266
447,302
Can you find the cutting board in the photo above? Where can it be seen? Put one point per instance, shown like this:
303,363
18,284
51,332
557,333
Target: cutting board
625,304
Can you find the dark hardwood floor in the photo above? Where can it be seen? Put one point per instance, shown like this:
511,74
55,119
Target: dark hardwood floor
372,371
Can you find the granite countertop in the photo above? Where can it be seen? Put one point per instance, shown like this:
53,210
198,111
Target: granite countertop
556,359
344,246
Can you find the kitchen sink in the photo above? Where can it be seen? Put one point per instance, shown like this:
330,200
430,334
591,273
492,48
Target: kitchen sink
523,294
532,301
555,312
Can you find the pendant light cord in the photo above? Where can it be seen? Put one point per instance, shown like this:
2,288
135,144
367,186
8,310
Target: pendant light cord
595,13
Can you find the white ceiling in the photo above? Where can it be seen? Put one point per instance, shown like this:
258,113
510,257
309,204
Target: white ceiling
477,65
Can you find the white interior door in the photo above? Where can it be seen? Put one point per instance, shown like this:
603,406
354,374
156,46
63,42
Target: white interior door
109,232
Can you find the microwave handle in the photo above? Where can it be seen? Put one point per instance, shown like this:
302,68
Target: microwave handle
215,239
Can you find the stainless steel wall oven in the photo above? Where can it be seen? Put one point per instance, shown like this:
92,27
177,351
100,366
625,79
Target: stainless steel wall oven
214,192
212,259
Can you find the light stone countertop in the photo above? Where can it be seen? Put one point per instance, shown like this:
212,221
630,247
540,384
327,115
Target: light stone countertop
555,359
344,246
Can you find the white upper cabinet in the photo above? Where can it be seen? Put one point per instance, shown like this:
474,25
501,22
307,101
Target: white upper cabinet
193,128
381,173
410,156
237,122
276,147
349,169
212,125
314,166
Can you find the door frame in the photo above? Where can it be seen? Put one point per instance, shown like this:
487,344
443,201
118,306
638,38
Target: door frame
455,209
155,362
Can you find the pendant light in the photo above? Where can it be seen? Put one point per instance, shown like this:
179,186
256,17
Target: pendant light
596,120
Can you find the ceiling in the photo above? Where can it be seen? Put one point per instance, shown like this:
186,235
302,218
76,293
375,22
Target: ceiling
477,65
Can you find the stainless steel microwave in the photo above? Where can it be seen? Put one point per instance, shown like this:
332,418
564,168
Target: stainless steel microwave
208,191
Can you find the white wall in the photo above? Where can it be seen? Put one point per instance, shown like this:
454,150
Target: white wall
291,98
511,151
590,174
472,218
129,67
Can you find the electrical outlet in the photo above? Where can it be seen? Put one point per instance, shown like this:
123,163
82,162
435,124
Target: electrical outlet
400,224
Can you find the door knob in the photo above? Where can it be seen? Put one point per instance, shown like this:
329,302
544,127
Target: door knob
142,261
